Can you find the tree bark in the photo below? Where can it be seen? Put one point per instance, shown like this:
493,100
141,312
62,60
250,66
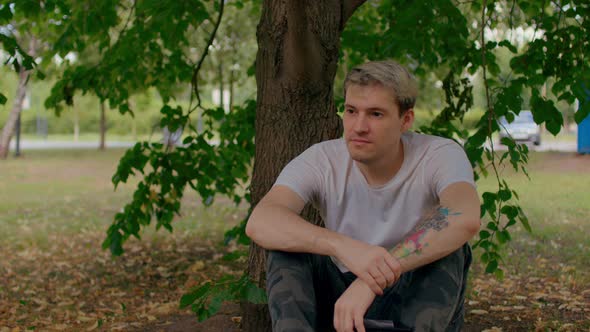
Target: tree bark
220,72
231,88
76,125
298,45
17,106
103,127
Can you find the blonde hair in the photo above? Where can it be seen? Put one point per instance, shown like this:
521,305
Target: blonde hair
389,74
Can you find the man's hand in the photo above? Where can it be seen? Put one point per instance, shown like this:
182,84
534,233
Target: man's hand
372,264
351,307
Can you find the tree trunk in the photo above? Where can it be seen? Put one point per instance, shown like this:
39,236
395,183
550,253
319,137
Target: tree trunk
17,106
298,45
231,88
220,71
103,126
76,125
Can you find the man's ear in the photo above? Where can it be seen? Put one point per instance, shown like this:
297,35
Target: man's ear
407,119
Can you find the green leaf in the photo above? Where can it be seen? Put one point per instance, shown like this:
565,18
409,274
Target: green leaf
483,234
485,257
503,236
234,255
115,240
505,195
3,99
492,266
254,294
216,302
5,13
508,141
510,211
189,298
524,220
508,45
553,127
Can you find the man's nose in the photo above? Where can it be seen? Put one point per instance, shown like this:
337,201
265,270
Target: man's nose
361,124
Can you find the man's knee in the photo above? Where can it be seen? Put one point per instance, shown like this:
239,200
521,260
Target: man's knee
430,298
289,285
287,268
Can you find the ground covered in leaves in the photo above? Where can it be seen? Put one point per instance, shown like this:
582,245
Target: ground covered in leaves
75,286
66,282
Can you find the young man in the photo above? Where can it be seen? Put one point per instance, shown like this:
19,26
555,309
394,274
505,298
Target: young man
398,206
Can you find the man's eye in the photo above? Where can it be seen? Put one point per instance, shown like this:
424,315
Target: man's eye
377,114
349,110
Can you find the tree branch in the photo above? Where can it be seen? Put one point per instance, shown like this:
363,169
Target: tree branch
194,79
489,108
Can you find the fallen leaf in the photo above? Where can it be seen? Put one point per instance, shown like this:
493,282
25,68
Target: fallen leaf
197,266
93,327
478,312
567,327
499,308
493,329
85,319
163,309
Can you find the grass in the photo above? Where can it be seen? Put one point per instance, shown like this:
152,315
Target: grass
84,137
556,203
69,191
55,207
563,136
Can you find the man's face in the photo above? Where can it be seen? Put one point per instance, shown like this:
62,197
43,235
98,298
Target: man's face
372,125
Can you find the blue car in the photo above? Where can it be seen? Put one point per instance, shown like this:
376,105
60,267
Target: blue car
523,128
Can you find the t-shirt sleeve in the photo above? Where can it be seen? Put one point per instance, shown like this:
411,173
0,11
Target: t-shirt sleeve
448,165
304,175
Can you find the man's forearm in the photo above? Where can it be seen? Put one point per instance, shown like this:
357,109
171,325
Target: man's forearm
438,234
278,228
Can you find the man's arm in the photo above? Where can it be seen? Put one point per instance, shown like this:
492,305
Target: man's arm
275,224
443,230
439,233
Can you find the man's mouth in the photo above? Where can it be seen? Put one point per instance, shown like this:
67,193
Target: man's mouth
359,141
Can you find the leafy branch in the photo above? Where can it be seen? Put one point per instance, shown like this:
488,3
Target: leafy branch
197,68
206,299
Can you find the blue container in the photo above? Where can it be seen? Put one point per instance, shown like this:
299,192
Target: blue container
584,136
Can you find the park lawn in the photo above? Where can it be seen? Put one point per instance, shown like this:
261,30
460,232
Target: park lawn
56,205
547,280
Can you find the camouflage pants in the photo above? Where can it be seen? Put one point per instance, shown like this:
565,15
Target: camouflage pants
303,288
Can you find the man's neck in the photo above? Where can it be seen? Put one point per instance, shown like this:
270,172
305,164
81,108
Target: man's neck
383,170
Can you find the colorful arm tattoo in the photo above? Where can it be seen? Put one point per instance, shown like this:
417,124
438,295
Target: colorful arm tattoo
414,243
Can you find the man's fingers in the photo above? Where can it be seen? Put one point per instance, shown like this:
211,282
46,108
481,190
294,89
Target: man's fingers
348,322
359,324
370,281
386,271
394,265
378,276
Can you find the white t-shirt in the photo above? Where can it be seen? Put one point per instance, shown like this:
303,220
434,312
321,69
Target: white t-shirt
326,176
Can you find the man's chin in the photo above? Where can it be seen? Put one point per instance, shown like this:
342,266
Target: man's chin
359,157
